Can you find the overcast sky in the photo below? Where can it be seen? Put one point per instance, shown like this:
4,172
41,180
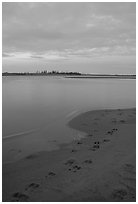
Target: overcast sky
86,37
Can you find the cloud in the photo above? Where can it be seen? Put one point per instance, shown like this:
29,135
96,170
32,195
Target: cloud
65,31
71,54
7,55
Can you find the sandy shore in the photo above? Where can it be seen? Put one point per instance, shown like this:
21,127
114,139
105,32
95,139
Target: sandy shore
99,167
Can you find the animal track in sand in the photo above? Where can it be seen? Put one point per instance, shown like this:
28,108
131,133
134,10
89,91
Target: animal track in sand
20,197
97,142
75,168
88,161
31,156
96,145
70,162
112,131
32,186
50,173
72,166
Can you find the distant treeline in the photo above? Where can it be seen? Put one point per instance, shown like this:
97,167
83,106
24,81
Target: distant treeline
69,74
39,73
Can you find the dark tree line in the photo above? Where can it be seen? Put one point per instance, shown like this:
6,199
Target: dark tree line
69,74
39,73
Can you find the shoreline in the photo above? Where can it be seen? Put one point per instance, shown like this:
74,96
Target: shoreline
76,76
99,167
100,77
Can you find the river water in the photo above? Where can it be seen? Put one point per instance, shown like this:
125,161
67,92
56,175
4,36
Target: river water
36,109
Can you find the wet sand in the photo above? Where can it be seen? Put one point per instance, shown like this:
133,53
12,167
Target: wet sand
100,167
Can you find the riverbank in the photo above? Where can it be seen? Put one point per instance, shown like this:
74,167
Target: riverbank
76,75
99,167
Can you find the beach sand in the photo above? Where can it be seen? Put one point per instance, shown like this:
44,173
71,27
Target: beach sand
100,167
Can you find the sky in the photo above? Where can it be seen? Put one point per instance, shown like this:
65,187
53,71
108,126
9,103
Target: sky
85,37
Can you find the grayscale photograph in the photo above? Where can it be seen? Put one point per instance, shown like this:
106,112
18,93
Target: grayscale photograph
69,102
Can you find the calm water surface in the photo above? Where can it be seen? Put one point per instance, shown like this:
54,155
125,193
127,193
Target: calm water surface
36,110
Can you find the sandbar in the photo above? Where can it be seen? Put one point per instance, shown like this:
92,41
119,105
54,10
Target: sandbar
99,167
